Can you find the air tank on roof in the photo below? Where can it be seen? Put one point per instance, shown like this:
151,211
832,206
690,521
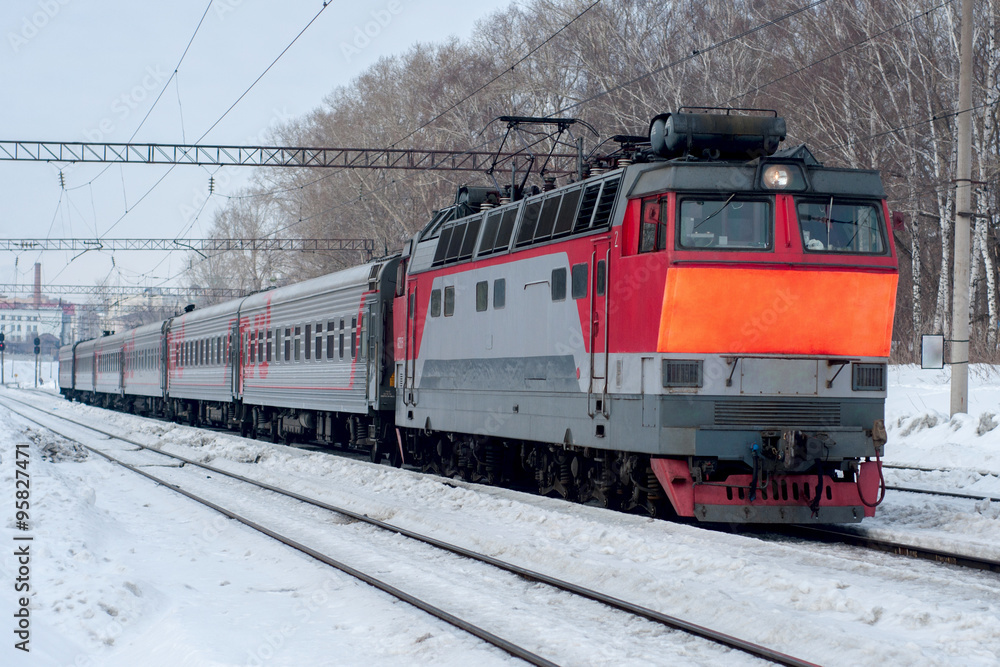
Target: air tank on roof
715,135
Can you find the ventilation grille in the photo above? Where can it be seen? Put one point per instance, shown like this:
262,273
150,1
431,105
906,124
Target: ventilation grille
777,413
679,373
869,377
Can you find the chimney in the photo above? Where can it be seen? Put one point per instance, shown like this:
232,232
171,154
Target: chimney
38,284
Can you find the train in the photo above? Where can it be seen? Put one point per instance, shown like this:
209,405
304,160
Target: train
697,326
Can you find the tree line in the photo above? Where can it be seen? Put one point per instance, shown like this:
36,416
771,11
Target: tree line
864,83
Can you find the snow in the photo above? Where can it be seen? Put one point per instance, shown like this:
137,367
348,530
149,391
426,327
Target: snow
126,572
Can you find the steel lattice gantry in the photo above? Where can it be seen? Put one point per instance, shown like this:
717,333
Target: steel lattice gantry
264,156
121,291
201,245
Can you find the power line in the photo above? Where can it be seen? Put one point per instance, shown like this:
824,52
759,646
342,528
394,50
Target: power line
694,54
505,71
162,90
266,70
899,128
840,52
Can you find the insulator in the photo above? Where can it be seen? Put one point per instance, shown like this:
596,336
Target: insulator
62,180
211,184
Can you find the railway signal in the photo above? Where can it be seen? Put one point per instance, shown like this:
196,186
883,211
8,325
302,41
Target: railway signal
38,349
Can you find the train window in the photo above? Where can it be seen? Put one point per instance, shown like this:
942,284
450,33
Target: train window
558,284
449,301
288,344
308,342
442,247
601,277
587,207
547,218
457,236
564,222
499,293
606,203
252,346
506,229
341,341
354,337
725,223
482,296
653,232
490,232
330,346
277,344
471,235
529,220
260,346
840,227
297,346
319,341
436,303
579,277
267,356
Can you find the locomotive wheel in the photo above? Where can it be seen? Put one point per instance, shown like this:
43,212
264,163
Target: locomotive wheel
395,457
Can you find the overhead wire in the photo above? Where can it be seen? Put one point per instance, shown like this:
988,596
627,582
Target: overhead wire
166,84
226,113
694,54
507,69
840,51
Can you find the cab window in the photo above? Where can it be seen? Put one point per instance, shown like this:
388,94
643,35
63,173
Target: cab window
836,226
725,223
653,230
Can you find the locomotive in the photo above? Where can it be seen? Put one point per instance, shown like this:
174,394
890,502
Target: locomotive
699,327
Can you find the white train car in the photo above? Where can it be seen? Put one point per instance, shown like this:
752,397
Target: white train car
199,358
309,362
144,377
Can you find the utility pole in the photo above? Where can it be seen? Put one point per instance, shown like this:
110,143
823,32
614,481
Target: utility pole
963,213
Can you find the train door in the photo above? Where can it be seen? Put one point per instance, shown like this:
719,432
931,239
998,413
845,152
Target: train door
373,325
121,370
236,370
410,346
598,333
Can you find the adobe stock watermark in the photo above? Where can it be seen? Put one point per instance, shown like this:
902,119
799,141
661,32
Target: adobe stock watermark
223,7
363,35
123,105
34,23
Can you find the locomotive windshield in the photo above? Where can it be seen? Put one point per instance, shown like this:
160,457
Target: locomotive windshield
725,223
841,227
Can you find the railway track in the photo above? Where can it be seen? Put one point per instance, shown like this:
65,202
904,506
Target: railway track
499,642
834,535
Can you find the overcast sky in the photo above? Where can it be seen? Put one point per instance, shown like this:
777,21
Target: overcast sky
72,70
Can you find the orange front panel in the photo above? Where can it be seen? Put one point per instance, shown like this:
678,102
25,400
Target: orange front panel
777,311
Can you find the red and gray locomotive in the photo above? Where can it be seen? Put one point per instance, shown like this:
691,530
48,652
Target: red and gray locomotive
699,328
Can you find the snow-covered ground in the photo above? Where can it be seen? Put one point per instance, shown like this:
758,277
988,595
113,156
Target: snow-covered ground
125,572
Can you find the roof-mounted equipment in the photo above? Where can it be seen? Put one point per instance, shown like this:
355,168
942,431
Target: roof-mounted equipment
716,135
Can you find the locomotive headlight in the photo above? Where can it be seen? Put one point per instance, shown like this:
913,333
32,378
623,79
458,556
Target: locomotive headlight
776,177
782,177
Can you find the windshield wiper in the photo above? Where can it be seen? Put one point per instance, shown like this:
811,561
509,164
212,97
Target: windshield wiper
720,210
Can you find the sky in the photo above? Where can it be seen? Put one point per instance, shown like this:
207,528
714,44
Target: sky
78,71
